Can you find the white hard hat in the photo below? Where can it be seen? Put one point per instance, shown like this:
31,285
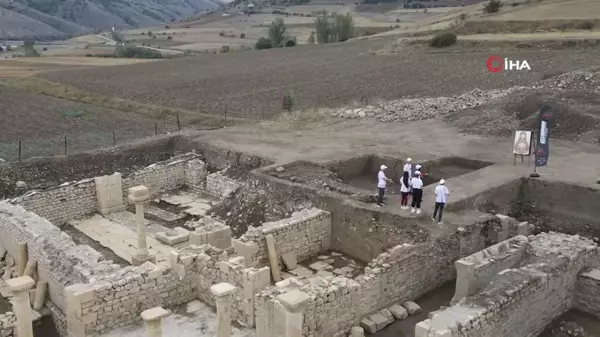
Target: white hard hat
418,166
442,182
383,167
408,159
417,173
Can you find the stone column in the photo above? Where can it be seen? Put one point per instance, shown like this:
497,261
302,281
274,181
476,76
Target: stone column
20,287
222,292
293,303
153,318
138,195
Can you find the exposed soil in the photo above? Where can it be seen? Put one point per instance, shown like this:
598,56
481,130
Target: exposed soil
41,122
573,323
576,115
245,84
82,239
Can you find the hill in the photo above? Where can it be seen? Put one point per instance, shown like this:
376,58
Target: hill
47,19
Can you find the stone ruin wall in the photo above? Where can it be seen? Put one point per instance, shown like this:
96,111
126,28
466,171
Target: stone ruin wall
8,323
403,273
220,186
74,200
60,204
476,271
587,292
520,302
305,234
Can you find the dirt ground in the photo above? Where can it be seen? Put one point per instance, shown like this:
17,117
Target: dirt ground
41,123
252,84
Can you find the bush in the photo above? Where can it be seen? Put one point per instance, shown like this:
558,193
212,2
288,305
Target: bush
169,37
131,51
397,20
149,33
288,102
311,38
443,40
222,33
334,28
242,36
589,25
463,17
515,4
117,37
167,27
263,43
29,50
45,49
225,49
290,43
493,6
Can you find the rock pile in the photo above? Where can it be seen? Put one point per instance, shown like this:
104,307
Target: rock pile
413,109
576,80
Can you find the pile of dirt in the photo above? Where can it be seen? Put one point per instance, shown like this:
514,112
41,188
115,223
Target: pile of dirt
576,114
565,329
587,81
253,205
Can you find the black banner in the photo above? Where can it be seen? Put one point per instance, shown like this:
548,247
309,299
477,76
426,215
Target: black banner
542,149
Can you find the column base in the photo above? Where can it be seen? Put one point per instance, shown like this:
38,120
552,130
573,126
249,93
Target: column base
140,260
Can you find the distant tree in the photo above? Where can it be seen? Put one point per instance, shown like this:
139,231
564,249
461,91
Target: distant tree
493,6
117,37
323,27
288,102
277,33
263,43
344,26
443,40
131,51
222,33
29,50
169,37
311,38
167,27
225,49
334,28
242,36
150,33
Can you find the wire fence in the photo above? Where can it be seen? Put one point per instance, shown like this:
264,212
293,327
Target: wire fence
61,145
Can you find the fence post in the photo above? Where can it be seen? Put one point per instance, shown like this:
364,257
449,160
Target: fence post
178,124
19,150
114,138
155,129
65,145
226,116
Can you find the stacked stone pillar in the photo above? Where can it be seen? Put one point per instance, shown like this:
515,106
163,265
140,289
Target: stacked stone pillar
222,293
138,195
20,287
153,318
293,304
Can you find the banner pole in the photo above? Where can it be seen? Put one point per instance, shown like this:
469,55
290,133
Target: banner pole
534,174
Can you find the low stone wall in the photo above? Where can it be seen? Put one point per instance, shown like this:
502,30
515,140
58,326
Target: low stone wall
208,265
162,176
59,260
520,302
221,186
403,273
63,203
476,271
587,292
305,234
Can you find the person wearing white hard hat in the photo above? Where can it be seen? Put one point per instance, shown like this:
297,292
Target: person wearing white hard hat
382,181
417,192
441,197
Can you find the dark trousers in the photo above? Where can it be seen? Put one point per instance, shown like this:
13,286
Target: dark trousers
404,200
417,196
439,206
380,198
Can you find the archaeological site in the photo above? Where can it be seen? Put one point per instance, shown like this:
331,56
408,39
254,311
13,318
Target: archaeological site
175,236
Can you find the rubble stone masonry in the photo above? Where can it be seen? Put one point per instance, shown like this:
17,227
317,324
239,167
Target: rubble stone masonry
520,302
221,186
305,233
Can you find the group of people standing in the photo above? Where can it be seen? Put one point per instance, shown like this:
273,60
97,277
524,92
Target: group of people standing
411,183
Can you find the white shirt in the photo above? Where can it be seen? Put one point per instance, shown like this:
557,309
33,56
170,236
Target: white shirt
416,183
382,180
408,168
441,193
404,188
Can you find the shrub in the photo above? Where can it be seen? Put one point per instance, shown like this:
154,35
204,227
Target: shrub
131,51
143,33
463,17
242,36
443,40
29,50
397,19
589,25
222,33
288,102
45,49
515,4
290,43
167,27
225,49
263,43
117,37
311,38
493,6
169,37
149,33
